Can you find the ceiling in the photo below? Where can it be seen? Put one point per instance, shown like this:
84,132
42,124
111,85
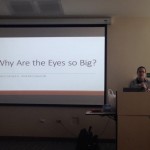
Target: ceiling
73,8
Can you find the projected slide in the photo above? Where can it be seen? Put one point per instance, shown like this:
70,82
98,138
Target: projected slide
52,64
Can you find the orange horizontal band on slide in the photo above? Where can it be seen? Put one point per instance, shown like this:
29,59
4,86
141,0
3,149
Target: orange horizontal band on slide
95,93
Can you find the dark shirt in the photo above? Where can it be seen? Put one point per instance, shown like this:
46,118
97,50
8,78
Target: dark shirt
136,83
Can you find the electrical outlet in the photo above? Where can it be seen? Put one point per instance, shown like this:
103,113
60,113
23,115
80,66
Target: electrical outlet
42,120
58,121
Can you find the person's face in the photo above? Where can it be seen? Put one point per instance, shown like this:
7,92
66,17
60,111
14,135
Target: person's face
141,73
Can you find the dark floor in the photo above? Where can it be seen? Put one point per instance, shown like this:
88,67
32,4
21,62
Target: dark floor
48,144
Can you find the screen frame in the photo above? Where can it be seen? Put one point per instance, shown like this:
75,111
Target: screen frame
64,26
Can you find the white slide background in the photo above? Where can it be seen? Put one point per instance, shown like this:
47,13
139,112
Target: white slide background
52,60
52,63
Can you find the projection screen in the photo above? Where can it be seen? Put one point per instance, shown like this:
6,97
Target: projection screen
62,65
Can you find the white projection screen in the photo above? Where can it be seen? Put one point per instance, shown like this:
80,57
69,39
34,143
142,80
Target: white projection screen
54,65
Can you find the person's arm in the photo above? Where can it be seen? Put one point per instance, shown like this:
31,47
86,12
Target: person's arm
134,84
148,86
144,86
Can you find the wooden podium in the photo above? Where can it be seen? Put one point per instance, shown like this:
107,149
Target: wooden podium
133,121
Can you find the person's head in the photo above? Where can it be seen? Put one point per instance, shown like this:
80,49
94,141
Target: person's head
141,73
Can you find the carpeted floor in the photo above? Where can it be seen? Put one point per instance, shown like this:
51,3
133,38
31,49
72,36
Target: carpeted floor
48,144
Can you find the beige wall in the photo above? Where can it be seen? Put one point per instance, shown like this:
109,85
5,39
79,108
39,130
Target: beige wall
42,122
128,48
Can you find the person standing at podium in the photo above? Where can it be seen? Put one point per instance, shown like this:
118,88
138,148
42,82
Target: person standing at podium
141,82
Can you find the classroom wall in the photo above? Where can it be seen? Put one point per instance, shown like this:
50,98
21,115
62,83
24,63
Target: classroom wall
128,48
40,121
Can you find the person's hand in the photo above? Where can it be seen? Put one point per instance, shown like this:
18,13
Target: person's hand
148,90
144,86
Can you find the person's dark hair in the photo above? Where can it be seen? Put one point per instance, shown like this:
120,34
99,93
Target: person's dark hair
141,67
